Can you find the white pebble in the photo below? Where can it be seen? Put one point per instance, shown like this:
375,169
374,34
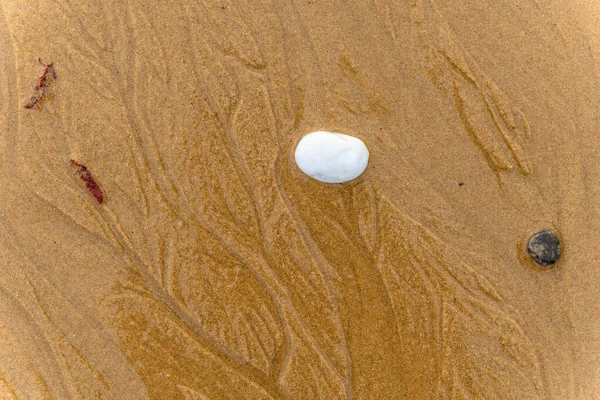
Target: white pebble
331,157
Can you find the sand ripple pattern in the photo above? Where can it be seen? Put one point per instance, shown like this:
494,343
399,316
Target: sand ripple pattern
214,269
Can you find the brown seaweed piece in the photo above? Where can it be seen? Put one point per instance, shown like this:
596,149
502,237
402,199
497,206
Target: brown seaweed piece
90,183
42,90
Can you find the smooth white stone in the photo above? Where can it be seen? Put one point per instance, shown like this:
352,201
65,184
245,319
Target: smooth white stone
331,157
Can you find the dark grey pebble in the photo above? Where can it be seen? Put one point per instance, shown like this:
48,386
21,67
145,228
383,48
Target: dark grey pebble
544,247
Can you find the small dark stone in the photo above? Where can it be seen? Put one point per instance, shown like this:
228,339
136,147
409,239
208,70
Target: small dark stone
460,183
544,247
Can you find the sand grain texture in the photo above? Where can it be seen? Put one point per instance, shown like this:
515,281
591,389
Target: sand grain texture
214,269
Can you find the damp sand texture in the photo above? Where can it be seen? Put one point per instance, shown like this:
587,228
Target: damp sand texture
192,258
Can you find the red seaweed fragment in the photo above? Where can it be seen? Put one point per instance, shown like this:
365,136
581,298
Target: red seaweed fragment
42,90
88,180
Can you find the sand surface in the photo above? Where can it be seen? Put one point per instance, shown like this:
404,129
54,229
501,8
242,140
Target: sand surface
211,267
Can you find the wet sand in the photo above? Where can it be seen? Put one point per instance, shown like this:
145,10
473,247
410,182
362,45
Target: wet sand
190,258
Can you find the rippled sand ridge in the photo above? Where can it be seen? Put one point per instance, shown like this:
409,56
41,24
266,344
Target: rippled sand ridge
158,240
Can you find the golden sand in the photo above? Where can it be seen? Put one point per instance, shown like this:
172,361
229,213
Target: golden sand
192,259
